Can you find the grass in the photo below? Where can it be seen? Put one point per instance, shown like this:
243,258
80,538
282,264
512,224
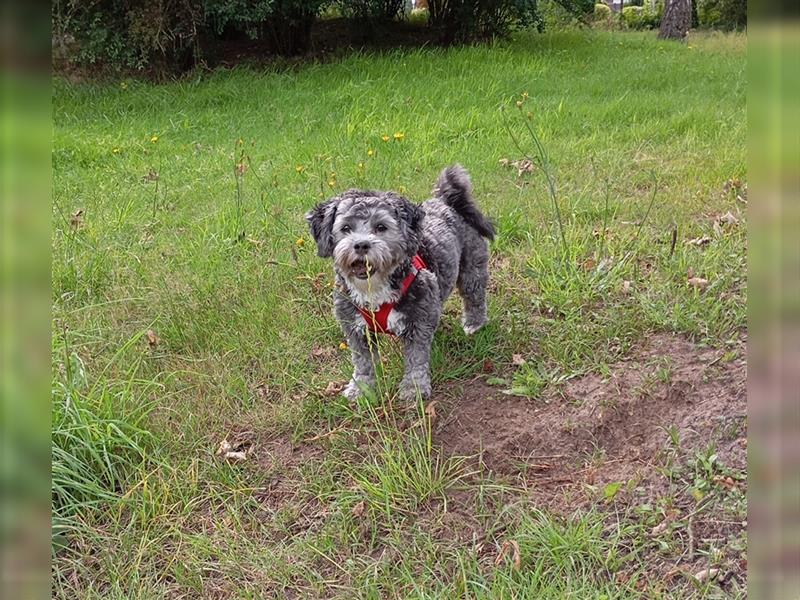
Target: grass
178,209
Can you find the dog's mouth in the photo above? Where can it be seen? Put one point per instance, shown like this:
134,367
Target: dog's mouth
360,269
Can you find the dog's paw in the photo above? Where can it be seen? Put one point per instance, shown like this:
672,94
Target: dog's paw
411,390
351,391
470,328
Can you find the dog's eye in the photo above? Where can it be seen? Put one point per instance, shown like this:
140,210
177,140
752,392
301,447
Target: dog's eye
345,229
380,227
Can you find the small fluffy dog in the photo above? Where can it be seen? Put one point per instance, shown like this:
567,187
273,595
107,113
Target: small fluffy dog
396,263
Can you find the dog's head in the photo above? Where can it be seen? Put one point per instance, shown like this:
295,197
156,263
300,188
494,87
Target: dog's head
367,233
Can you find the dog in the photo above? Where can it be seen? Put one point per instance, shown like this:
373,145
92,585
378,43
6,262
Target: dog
396,263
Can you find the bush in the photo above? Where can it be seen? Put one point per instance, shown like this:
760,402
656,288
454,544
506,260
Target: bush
643,17
602,12
722,14
126,33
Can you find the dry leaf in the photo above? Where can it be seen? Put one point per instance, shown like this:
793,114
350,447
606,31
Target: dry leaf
513,546
699,241
430,410
728,219
517,360
152,338
626,287
488,366
358,509
233,452
504,161
661,527
152,175
698,283
589,264
322,352
241,169
333,388
76,219
706,574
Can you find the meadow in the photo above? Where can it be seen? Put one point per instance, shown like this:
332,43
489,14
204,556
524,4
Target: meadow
190,309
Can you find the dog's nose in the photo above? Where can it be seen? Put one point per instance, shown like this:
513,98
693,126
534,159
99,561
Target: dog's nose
361,247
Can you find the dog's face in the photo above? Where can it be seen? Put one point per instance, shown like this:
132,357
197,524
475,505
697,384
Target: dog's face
368,234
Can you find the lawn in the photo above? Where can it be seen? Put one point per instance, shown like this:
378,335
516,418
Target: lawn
189,307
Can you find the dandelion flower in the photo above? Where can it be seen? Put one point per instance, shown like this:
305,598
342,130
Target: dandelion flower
115,150
402,189
399,135
154,139
370,152
299,242
385,138
332,183
342,346
519,103
299,168
124,85
361,165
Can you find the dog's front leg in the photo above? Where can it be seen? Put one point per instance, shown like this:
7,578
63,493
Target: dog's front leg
354,328
418,339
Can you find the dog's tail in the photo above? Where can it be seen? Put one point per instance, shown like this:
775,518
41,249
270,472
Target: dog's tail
454,187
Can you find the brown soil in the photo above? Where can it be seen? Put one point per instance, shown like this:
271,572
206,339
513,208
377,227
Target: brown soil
596,430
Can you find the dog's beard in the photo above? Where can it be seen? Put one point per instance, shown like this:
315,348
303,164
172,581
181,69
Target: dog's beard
367,275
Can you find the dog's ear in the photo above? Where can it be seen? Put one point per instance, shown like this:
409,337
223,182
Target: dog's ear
409,215
320,222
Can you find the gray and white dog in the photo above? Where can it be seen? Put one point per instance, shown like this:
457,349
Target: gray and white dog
376,240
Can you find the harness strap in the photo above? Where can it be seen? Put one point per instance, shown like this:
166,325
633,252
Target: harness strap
378,321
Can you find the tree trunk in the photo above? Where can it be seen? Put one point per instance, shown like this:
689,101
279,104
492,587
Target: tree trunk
676,20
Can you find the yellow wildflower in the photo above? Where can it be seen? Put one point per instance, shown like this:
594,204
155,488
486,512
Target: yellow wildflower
299,168
332,183
370,152
385,138
124,85
342,346
361,165
154,139
399,135
402,189
115,150
299,242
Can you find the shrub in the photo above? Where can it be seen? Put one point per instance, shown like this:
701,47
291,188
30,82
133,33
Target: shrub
419,16
602,12
643,17
722,14
126,33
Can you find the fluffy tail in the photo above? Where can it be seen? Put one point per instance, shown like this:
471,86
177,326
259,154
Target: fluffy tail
454,187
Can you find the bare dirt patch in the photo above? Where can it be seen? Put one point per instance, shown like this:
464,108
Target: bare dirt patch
600,429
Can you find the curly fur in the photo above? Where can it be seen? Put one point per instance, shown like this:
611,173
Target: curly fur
372,237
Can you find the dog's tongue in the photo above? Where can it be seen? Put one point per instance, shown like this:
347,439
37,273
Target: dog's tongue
360,269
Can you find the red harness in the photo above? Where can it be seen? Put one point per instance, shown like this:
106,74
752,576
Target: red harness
378,321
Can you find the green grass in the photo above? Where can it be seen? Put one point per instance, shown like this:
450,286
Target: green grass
193,195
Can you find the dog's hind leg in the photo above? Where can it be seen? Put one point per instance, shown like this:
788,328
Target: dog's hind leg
473,279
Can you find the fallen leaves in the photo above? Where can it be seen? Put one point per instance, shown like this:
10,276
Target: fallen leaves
322,353
358,510
333,388
152,339
152,175
706,574
509,546
76,219
697,282
699,241
234,451
517,360
430,410
523,165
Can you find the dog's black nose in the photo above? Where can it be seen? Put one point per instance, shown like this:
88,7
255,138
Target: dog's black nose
361,247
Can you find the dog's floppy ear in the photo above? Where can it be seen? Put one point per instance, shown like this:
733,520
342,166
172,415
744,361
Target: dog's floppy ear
320,222
410,217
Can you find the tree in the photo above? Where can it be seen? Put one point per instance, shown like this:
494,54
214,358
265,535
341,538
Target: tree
677,20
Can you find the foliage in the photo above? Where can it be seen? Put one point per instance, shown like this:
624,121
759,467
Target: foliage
126,33
722,14
642,17
602,11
